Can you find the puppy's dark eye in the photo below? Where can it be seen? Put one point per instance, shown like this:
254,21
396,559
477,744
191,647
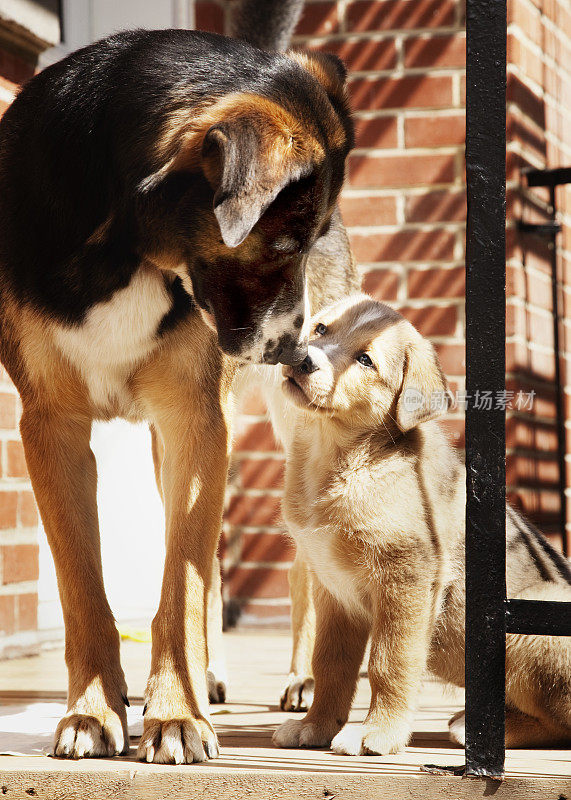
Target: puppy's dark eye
320,329
365,360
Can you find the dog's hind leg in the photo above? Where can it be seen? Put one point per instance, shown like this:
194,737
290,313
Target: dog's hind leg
298,693
216,675
64,477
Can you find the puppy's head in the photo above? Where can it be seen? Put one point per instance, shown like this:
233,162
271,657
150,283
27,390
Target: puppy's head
255,186
368,367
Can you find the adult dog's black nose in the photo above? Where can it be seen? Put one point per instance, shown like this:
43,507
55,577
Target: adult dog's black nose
307,366
292,355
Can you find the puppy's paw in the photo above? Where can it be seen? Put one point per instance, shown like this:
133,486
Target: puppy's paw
100,735
457,728
370,740
298,694
299,733
216,687
177,741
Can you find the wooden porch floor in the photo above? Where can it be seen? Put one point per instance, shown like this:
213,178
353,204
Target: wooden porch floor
32,692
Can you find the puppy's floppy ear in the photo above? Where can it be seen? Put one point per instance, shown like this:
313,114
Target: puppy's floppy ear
424,393
244,183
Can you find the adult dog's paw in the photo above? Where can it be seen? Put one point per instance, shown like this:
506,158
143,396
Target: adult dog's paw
216,688
298,694
299,733
100,735
368,739
177,741
457,728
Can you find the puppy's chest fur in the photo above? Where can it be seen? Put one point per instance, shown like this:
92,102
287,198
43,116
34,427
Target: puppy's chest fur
114,338
352,514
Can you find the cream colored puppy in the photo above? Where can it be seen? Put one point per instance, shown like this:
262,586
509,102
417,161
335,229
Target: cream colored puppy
375,499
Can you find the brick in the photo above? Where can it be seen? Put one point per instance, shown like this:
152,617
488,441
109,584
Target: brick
528,469
529,434
362,211
27,510
15,68
8,419
262,473
16,460
452,357
403,245
382,284
27,611
245,582
434,131
520,130
318,19
454,429
406,170
432,320
209,17
258,511
266,547
525,98
435,51
530,362
380,132
274,615
410,91
20,563
372,15
425,283
529,325
437,206
8,510
363,55
258,436
526,59
7,614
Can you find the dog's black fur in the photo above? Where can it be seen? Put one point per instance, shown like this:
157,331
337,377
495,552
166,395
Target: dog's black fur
83,200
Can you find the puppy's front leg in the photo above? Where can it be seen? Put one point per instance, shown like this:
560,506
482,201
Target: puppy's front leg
298,693
339,647
190,413
403,612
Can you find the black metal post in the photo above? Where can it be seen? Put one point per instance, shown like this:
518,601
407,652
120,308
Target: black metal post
485,371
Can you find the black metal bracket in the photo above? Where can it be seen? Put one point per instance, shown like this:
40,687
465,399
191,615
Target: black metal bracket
539,228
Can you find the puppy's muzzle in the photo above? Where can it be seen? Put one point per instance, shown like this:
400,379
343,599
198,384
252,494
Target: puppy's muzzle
307,366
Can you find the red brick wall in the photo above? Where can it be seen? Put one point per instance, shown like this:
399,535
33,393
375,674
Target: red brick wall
18,515
539,135
404,205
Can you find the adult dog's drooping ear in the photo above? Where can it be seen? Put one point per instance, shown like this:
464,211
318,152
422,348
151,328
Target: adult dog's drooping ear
424,392
244,176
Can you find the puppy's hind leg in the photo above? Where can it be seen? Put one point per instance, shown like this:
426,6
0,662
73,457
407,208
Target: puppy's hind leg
298,693
64,477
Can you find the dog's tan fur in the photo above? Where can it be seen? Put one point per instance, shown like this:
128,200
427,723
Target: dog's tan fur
375,500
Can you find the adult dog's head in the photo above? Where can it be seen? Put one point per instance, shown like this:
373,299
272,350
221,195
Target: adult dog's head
252,182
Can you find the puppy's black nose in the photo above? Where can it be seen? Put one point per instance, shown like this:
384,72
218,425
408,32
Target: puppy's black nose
307,366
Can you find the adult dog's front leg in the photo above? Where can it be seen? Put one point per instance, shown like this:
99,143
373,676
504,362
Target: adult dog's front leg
191,420
63,472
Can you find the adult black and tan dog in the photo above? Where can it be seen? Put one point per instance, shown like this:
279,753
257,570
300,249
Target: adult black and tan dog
161,194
